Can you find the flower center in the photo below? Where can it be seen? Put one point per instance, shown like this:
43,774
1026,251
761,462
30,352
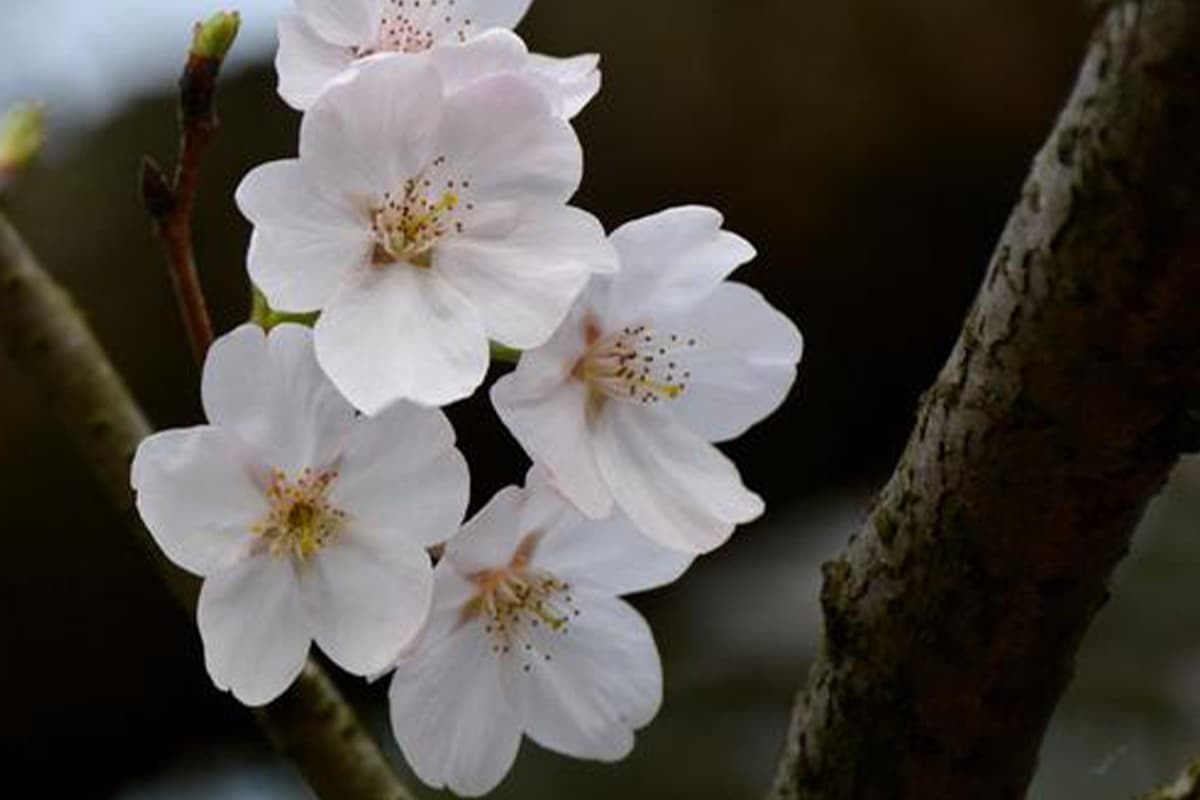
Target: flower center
410,222
521,606
635,363
414,26
301,520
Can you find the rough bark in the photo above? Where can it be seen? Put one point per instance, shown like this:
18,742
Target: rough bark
954,616
47,336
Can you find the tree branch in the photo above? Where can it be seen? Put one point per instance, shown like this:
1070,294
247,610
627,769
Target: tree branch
46,335
1185,787
954,616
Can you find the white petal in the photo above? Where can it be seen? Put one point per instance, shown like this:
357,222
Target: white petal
489,540
368,593
678,489
305,237
402,332
609,556
273,395
671,260
198,493
373,130
306,62
602,680
502,136
525,280
401,473
345,22
494,13
575,81
255,632
552,425
448,711
743,364
492,52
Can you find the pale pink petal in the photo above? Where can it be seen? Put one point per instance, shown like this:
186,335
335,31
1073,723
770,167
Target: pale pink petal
501,135
742,366
669,261
306,237
198,492
255,630
306,61
401,474
372,129
492,52
271,393
526,280
677,488
448,711
368,593
344,22
582,689
554,428
574,81
401,332
490,538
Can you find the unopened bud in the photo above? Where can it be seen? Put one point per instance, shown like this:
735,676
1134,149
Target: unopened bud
212,38
22,133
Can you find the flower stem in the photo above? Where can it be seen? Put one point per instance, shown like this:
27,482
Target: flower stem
44,333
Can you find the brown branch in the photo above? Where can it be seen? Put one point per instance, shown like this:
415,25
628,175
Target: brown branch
45,334
170,205
954,616
1185,787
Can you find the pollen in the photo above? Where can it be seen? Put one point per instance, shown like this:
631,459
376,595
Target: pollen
410,222
522,609
635,364
301,519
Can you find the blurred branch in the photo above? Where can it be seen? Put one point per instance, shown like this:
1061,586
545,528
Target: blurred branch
46,335
170,204
954,616
1185,787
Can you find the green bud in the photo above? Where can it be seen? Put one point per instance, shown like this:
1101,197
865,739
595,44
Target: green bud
213,37
22,133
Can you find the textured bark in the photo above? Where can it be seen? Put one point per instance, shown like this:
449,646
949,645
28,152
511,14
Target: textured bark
47,336
954,616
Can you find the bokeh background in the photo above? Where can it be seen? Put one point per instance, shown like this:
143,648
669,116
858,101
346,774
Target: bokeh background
870,148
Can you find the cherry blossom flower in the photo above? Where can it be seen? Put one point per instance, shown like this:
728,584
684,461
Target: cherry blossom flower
528,636
422,224
322,38
305,520
653,365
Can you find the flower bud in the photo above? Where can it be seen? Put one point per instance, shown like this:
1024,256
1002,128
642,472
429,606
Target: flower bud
22,133
213,37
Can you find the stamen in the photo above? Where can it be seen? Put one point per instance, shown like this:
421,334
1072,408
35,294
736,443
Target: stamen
301,520
414,26
410,222
516,601
635,364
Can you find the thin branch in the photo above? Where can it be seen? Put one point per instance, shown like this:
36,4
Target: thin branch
170,205
45,334
953,619
1185,787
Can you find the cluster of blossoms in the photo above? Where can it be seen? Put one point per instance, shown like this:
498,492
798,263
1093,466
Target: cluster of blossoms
426,217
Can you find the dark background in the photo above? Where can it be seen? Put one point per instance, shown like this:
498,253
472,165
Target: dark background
869,148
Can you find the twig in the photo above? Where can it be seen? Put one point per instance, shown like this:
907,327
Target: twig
170,204
45,334
954,617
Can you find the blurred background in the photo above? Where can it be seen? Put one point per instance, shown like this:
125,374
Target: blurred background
870,148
